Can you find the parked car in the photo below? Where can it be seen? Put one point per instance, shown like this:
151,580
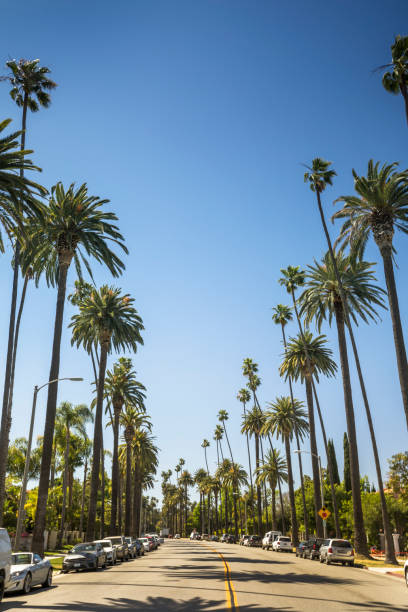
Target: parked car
312,548
282,543
224,537
120,544
243,539
5,561
406,572
110,551
148,544
254,541
132,548
89,555
205,536
300,549
194,535
214,538
269,539
177,536
340,551
231,539
139,547
28,570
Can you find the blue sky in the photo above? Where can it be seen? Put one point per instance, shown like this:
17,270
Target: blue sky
194,119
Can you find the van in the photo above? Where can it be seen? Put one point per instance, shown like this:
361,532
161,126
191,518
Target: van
269,539
5,561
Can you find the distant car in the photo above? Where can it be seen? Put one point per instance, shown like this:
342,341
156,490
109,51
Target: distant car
300,549
335,550
28,570
214,538
177,536
132,547
312,548
269,538
194,535
282,543
110,551
5,560
120,545
89,555
205,536
231,539
243,539
147,544
406,572
224,537
254,541
139,547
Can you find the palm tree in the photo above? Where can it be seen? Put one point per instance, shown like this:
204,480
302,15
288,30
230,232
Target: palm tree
199,478
223,418
285,417
305,357
131,420
252,424
396,82
73,222
243,396
121,387
86,455
145,463
218,434
235,476
70,420
272,470
282,315
109,318
380,207
205,444
320,175
186,480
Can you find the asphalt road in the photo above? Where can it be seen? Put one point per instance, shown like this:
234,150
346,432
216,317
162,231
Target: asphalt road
185,576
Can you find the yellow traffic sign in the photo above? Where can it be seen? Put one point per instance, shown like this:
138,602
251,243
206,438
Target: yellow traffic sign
324,513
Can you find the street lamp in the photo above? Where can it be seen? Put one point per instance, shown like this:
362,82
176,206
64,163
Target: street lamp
321,483
28,456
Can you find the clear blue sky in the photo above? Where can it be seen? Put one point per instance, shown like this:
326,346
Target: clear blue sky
194,118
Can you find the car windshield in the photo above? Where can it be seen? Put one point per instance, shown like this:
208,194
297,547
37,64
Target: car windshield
21,559
106,544
83,548
117,541
284,539
341,544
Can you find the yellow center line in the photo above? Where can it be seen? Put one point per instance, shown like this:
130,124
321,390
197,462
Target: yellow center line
230,592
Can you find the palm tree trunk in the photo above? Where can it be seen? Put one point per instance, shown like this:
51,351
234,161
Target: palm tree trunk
102,525
314,457
273,501
258,488
329,465
128,488
400,350
360,538
81,519
404,92
226,508
295,534
115,471
53,460
249,463
264,490
64,490
302,485
97,444
120,505
135,531
390,550
209,512
39,524
4,429
282,507
235,516
216,512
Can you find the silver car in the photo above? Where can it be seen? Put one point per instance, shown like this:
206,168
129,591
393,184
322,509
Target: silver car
335,550
28,570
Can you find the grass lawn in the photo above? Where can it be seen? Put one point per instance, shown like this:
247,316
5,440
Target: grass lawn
375,562
56,562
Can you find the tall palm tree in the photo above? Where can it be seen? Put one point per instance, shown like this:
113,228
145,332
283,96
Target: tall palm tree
379,208
70,420
199,478
281,316
244,396
285,417
109,318
205,444
274,468
86,455
319,175
252,424
395,81
121,387
235,476
218,435
223,418
74,222
145,463
18,199
307,357
186,480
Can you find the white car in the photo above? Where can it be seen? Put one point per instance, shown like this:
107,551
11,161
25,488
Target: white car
27,570
177,536
145,543
109,549
282,543
269,538
406,572
5,561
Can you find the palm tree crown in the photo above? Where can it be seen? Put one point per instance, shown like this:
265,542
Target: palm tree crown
319,174
30,83
282,314
294,363
284,418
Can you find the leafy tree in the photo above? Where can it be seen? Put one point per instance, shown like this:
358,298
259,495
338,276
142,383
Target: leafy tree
109,318
395,81
398,473
347,475
333,461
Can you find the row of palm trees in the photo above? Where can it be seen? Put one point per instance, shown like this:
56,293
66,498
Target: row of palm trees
48,232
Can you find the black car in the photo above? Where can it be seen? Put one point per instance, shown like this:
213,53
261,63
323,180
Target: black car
84,556
254,540
312,548
300,549
230,539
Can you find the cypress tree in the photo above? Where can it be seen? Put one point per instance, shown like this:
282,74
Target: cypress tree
347,475
331,451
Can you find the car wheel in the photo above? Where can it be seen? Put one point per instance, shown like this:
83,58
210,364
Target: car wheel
1,587
327,561
321,559
96,565
27,584
48,581
311,556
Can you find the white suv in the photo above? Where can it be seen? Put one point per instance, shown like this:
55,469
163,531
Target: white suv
282,543
5,561
269,539
336,550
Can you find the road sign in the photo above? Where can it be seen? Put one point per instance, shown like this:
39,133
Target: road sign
324,513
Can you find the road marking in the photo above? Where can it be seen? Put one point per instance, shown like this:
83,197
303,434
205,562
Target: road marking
230,592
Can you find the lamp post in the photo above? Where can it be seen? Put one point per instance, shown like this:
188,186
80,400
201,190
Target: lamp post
27,460
321,483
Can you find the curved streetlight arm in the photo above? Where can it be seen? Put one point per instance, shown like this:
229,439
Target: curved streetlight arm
57,380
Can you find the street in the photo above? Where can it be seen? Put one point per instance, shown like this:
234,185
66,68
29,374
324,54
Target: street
188,576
